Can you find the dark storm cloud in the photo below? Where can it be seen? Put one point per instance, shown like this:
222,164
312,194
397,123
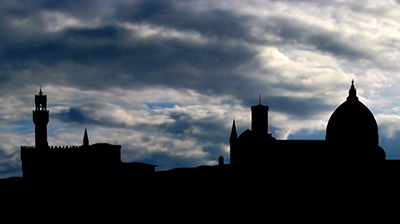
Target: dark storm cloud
107,32
179,116
138,63
78,45
181,123
110,55
299,108
296,107
80,8
74,115
298,32
212,130
179,15
222,24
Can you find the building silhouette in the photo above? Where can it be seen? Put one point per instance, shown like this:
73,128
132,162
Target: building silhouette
303,170
332,179
96,160
351,135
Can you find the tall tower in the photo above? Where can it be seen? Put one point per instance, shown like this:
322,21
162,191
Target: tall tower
41,119
259,119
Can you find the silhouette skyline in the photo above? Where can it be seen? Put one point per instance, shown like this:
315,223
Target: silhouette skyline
284,171
139,75
352,134
257,124
158,82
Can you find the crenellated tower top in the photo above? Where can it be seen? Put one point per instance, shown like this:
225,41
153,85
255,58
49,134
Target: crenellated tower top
40,119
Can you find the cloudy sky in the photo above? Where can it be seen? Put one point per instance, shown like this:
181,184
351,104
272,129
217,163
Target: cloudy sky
165,78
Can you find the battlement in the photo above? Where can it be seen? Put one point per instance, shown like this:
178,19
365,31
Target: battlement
96,153
55,147
65,147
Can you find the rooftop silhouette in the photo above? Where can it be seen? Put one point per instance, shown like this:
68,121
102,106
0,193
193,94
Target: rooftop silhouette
296,180
83,161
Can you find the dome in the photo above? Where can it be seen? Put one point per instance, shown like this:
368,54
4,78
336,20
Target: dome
246,136
352,121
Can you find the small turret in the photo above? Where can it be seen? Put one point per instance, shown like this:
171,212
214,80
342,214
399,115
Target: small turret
221,160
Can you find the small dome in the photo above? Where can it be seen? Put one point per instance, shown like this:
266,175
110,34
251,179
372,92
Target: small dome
246,136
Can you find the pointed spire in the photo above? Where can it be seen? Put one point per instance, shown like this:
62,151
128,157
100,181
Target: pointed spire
352,92
233,132
85,139
40,92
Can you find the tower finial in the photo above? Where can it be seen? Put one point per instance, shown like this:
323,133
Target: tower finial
40,92
352,92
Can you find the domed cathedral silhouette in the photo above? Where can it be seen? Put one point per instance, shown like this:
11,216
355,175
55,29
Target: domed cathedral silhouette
96,160
351,136
294,179
352,131
304,171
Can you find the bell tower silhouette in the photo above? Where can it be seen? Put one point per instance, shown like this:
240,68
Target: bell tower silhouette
41,119
259,119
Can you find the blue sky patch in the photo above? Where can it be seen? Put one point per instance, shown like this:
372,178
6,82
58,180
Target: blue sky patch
20,127
159,105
